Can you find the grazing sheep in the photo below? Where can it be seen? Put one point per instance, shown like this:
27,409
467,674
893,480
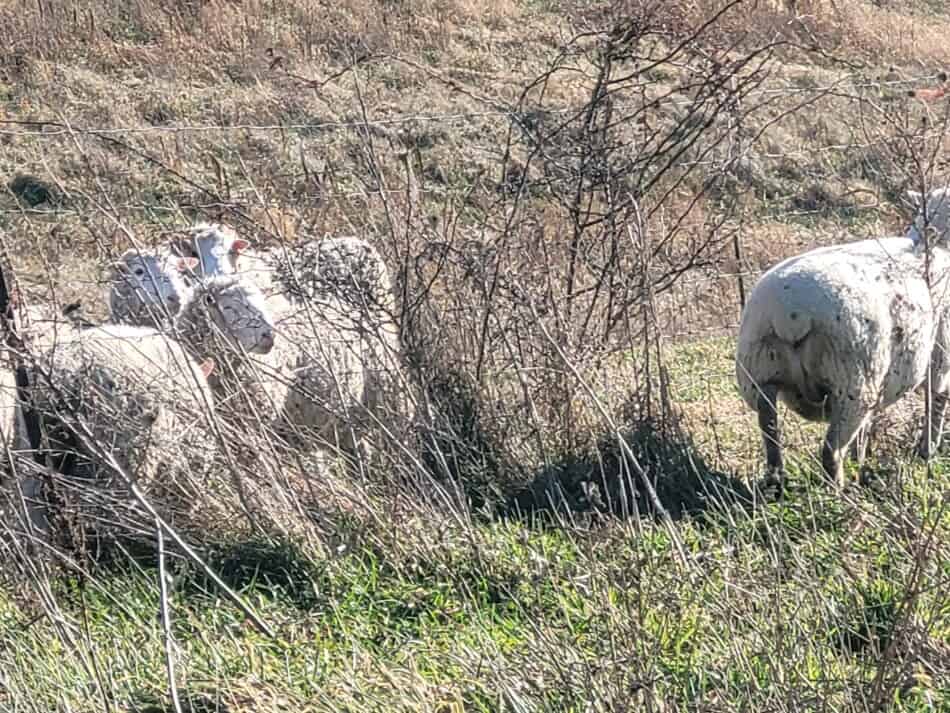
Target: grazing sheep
146,288
839,333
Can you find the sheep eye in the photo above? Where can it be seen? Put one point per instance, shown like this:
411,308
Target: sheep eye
139,272
209,299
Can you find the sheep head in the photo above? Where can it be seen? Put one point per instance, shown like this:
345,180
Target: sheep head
933,214
142,282
215,246
224,307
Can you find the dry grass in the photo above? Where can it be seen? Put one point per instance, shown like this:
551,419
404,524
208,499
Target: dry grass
402,588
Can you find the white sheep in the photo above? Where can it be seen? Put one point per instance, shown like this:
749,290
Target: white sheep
227,320
324,370
147,287
215,246
933,214
221,317
839,333
345,269
225,308
342,287
309,387
127,391
306,384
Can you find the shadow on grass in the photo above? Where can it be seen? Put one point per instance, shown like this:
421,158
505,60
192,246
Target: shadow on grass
458,447
276,569
605,480
196,703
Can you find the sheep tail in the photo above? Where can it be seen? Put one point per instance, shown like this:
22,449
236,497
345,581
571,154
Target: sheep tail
798,347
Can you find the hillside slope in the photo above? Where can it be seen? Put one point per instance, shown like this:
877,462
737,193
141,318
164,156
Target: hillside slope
573,197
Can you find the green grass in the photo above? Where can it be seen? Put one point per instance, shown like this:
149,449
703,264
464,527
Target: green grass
817,602
790,605
515,615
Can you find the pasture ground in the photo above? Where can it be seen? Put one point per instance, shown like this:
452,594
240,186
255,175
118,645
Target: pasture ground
819,601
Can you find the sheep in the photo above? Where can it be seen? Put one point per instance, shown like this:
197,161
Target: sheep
306,384
213,245
347,269
302,386
325,399
127,391
226,320
932,213
13,434
226,307
40,326
342,284
840,333
217,309
146,287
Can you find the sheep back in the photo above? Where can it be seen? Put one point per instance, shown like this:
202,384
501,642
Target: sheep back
855,321
132,390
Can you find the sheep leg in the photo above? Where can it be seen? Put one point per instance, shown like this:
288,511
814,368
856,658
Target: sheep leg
768,424
31,493
937,393
845,424
932,432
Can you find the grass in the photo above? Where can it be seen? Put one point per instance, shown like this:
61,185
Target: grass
800,597
412,599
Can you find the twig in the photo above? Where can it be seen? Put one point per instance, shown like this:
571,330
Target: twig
166,620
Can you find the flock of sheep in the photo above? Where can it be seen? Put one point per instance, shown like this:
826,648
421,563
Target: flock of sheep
841,333
298,343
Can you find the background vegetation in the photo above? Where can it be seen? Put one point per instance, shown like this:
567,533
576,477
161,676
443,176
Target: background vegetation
574,198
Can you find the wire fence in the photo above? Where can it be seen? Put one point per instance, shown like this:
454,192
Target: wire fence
683,314
59,127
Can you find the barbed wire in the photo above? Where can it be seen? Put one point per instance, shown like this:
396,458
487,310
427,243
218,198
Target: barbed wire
842,82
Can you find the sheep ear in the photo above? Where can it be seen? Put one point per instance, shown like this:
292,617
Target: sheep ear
120,266
207,366
239,246
916,198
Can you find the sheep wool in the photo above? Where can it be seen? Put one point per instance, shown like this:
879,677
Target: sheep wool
337,353
838,333
130,392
